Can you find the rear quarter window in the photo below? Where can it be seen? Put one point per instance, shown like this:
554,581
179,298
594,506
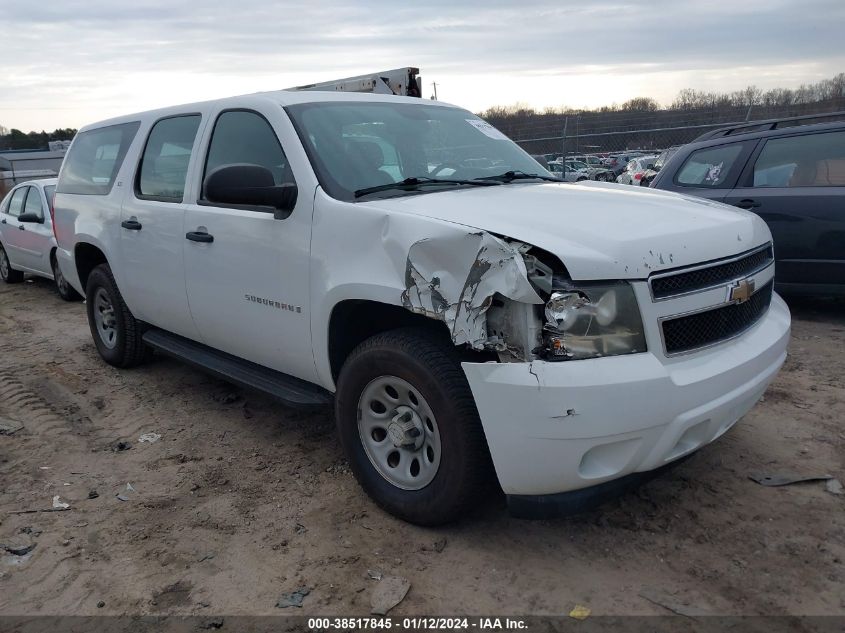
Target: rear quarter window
808,160
95,158
708,167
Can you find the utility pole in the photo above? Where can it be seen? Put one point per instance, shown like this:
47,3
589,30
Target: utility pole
434,83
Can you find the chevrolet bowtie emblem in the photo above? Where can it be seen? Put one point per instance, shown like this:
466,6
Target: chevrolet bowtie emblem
742,291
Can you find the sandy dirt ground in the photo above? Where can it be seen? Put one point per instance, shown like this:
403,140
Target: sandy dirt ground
242,501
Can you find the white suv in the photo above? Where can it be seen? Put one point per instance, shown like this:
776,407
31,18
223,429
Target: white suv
404,259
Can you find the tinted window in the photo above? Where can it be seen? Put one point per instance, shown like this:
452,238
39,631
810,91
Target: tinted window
164,164
16,203
246,137
95,158
33,203
813,160
708,167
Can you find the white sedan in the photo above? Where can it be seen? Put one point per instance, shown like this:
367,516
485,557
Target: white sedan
27,242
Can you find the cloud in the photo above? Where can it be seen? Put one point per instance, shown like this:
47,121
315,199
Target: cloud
72,62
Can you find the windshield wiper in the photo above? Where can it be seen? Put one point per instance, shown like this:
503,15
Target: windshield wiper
415,181
510,176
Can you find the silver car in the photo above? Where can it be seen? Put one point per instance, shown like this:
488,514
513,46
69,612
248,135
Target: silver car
27,242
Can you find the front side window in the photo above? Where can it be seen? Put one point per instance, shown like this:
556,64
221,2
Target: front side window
709,167
94,159
356,146
164,164
33,203
16,203
245,137
811,160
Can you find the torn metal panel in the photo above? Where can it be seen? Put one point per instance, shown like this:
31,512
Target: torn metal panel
453,279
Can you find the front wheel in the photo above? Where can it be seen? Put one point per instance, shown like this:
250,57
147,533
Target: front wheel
116,333
409,426
64,289
7,273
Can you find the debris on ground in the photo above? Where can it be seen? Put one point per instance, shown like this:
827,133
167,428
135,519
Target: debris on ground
834,487
374,575
58,504
580,612
93,494
390,591
20,546
101,604
781,479
293,598
9,426
127,493
120,446
149,438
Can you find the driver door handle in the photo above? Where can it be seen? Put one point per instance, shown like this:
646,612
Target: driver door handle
132,225
747,203
199,236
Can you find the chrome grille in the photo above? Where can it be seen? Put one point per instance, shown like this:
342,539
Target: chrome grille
673,284
701,329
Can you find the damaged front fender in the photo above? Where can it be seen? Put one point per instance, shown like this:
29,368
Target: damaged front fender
453,279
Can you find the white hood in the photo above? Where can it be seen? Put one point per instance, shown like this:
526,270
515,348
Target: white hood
599,230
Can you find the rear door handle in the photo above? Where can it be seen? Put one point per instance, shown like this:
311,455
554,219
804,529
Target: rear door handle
747,203
132,225
199,236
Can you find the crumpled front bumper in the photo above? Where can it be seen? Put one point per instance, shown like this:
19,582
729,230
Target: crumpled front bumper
567,426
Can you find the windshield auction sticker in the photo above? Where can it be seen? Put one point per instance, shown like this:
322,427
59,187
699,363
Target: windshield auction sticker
487,129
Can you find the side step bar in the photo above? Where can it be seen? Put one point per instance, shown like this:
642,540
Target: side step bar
291,391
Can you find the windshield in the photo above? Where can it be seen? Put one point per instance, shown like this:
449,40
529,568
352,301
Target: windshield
356,146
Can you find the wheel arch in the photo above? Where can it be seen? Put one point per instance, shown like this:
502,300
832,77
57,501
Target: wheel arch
352,321
86,257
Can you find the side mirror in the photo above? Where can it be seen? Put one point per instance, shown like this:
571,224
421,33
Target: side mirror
32,218
250,185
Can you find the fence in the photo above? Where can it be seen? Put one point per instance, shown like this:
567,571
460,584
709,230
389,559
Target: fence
14,171
605,132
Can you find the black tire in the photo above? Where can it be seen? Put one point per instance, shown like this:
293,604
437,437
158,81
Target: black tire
431,366
127,348
64,289
7,273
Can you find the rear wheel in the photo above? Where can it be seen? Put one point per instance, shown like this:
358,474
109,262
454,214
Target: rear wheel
410,428
116,333
64,289
9,274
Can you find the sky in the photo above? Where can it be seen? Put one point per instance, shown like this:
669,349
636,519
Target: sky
69,62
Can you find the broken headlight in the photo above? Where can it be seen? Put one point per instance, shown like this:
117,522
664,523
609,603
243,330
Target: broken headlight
592,320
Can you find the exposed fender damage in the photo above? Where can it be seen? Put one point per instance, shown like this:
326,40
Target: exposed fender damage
453,279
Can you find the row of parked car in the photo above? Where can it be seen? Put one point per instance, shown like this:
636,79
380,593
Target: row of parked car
791,172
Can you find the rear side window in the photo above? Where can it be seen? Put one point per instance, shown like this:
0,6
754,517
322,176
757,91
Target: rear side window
709,167
33,203
164,164
811,160
241,136
16,203
95,158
